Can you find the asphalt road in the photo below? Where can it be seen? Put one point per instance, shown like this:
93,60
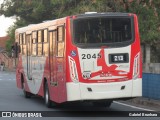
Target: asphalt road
12,99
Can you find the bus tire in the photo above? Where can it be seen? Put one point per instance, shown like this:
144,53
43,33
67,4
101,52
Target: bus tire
47,100
102,103
26,94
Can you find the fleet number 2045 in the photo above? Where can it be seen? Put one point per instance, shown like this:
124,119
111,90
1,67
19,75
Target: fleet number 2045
90,56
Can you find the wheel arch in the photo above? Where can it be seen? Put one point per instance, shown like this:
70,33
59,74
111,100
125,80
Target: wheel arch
22,80
44,82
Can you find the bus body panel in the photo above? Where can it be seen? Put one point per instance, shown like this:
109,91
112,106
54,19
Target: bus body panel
104,90
105,86
86,60
40,67
82,73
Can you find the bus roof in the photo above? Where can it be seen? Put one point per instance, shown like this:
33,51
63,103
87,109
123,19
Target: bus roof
48,23
94,14
43,25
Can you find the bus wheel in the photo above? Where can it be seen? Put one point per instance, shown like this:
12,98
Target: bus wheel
26,94
102,103
48,102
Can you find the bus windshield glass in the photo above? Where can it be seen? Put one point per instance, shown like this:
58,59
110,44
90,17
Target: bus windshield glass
103,30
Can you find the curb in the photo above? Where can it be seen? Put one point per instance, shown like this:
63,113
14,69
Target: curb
146,102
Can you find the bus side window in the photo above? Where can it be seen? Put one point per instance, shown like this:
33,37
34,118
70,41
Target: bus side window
54,42
24,45
60,41
20,42
45,42
39,43
34,43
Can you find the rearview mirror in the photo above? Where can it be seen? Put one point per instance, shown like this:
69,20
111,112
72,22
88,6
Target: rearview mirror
15,50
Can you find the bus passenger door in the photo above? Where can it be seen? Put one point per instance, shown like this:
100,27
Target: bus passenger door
57,73
52,64
29,68
60,63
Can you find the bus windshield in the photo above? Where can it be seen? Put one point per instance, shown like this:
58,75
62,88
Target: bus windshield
102,30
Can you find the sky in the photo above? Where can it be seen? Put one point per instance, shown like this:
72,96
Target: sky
5,23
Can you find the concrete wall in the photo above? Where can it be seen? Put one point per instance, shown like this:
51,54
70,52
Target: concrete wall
151,86
151,68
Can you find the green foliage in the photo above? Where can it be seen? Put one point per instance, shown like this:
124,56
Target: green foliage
148,20
35,11
9,43
32,11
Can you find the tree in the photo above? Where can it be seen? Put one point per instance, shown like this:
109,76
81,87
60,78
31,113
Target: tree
35,11
10,42
32,11
148,14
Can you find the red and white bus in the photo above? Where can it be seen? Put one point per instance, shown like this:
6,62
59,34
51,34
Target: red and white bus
89,57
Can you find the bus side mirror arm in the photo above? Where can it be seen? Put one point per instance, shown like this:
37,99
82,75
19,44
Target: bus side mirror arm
15,50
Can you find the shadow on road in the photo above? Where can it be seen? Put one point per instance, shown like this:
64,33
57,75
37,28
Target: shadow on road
72,106
78,109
